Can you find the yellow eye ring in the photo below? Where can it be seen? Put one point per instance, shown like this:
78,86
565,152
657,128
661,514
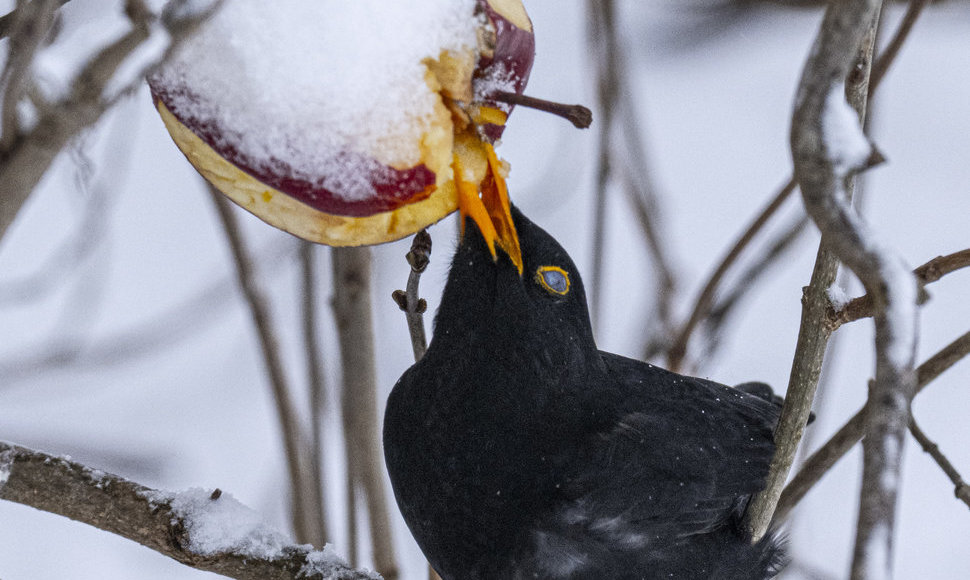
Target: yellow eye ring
553,280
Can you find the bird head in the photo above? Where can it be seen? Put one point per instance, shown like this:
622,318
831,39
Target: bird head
487,299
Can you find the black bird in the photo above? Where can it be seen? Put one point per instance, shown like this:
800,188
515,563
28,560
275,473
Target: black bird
517,450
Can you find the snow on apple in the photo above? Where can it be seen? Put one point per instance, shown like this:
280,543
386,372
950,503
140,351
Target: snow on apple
347,123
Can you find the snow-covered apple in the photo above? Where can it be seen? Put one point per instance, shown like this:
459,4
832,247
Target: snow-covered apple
352,123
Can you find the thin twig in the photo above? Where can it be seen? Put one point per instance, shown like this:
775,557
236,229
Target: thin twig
862,307
705,300
59,486
820,462
355,330
409,301
317,514
960,488
773,253
889,53
270,349
602,34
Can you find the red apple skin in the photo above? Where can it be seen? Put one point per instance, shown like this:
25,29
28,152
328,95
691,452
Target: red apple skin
395,188
515,49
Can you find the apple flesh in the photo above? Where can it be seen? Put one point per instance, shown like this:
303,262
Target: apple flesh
457,158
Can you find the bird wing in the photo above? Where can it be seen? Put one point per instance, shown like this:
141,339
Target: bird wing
679,458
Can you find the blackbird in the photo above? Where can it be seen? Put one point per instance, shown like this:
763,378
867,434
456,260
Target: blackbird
517,450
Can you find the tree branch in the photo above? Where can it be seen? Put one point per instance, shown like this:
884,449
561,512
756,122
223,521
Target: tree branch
862,307
961,489
826,456
304,511
705,300
158,521
317,387
25,157
355,329
813,334
409,301
828,148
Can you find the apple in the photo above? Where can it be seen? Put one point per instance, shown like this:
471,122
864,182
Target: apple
356,187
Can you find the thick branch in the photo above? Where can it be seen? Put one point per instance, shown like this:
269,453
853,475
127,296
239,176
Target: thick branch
147,516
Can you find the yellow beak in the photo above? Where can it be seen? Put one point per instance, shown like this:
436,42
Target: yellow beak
488,204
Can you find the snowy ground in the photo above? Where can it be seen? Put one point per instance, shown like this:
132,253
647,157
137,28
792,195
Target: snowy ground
193,410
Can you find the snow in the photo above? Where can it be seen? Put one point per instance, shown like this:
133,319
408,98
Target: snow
847,146
326,563
6,466
354,81
223,524
837,296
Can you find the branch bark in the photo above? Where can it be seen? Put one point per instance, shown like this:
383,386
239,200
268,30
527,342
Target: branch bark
305,509
813,334
826,154
317,387
60,486
409,300
355,328
863,307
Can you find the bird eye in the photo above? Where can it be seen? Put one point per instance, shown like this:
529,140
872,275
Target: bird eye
553,279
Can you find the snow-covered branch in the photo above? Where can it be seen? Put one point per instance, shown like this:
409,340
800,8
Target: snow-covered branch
204,529
828,148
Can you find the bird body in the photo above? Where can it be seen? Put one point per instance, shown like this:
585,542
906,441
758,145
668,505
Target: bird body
517,449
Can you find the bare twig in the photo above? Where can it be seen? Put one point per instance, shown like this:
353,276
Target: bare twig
603,39
147,516
315,380
302,505
705,300
409,300
889,53
855,54
960,488
819,463
774,251
627,164
580,116
862,307
352,310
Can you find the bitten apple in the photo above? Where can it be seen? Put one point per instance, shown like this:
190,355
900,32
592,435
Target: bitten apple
359,185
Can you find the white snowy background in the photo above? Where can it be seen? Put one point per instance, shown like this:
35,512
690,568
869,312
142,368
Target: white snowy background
165,385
